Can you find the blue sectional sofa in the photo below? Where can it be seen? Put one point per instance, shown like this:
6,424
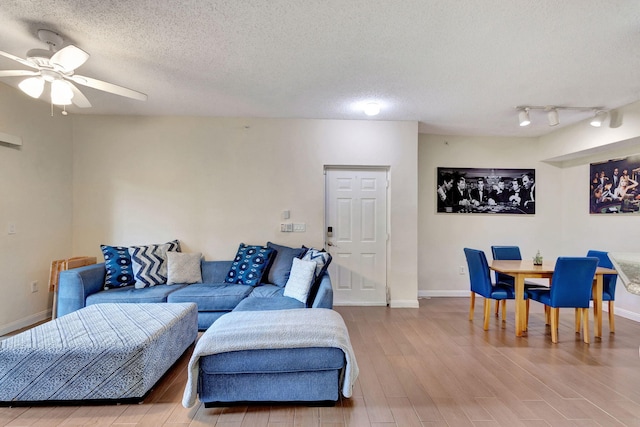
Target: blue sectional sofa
84,286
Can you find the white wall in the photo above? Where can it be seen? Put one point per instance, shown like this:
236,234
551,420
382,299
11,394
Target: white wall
213,183
582,145
562,224
442,237
35,195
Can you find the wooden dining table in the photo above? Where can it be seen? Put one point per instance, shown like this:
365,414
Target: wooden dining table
525,269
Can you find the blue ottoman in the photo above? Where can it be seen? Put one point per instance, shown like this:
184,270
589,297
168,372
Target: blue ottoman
102,353
290,355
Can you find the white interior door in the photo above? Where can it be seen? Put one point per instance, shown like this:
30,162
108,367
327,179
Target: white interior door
356,235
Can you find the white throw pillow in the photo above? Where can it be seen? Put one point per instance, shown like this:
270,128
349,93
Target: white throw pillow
184,267
300,280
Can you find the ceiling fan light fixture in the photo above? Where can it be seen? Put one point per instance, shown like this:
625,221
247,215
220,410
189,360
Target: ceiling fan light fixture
33,86
61,92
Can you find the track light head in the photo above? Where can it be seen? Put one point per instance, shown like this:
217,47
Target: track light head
552,116
523,117
599,117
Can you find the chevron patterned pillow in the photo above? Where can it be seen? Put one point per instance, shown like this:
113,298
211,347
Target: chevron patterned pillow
149,263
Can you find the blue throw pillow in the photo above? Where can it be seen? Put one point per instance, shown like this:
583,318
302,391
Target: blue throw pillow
249,265
280,269
117,263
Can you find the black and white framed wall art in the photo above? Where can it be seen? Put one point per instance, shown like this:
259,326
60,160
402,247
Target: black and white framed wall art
486,190
614,186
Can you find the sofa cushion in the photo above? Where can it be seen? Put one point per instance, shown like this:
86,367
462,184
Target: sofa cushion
117,263
212,296
129,293
274,360
281,266
149,263
249,265
266,304
300,280
266,291
183,267
214,271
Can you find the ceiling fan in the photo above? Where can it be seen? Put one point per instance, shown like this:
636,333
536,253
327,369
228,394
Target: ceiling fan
57,67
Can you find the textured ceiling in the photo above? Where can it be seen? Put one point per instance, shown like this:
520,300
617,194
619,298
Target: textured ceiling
456,66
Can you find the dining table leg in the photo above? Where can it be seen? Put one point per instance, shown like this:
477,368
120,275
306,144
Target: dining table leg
597,304
521,318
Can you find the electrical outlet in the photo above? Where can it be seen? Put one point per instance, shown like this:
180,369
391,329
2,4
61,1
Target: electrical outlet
461,269
34,286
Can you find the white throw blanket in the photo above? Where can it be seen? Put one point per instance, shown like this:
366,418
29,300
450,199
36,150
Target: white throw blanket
628,267
254,330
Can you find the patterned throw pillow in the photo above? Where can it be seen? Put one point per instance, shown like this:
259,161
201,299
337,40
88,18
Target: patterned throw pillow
322,260
149,263
117,263
320,257
249,265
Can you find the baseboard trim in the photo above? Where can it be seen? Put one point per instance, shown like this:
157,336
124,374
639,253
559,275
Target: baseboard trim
25,322
435,294
409,303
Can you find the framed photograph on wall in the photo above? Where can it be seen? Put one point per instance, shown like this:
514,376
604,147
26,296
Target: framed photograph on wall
614,186
484,190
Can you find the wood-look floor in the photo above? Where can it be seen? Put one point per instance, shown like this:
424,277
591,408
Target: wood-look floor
425,367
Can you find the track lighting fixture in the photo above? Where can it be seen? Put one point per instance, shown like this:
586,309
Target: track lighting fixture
598,118
552,116
523,117
600,114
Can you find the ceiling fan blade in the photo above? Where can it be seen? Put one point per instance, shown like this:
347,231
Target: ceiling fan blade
18,73
79,100
17,59
108,87
69,58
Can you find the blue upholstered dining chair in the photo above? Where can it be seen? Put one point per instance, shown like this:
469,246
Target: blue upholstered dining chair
570,288
608,284
509,253
480,278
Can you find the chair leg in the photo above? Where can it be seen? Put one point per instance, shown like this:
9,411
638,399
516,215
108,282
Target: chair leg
497,307
504,310
547,315
473,305
585,321
578,314
612,322
555,312
487,313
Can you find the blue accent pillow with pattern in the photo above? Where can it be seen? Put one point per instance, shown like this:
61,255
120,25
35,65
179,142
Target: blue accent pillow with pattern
117,263
249,265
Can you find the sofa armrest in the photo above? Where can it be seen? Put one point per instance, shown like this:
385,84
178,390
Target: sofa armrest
74,286
324,297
